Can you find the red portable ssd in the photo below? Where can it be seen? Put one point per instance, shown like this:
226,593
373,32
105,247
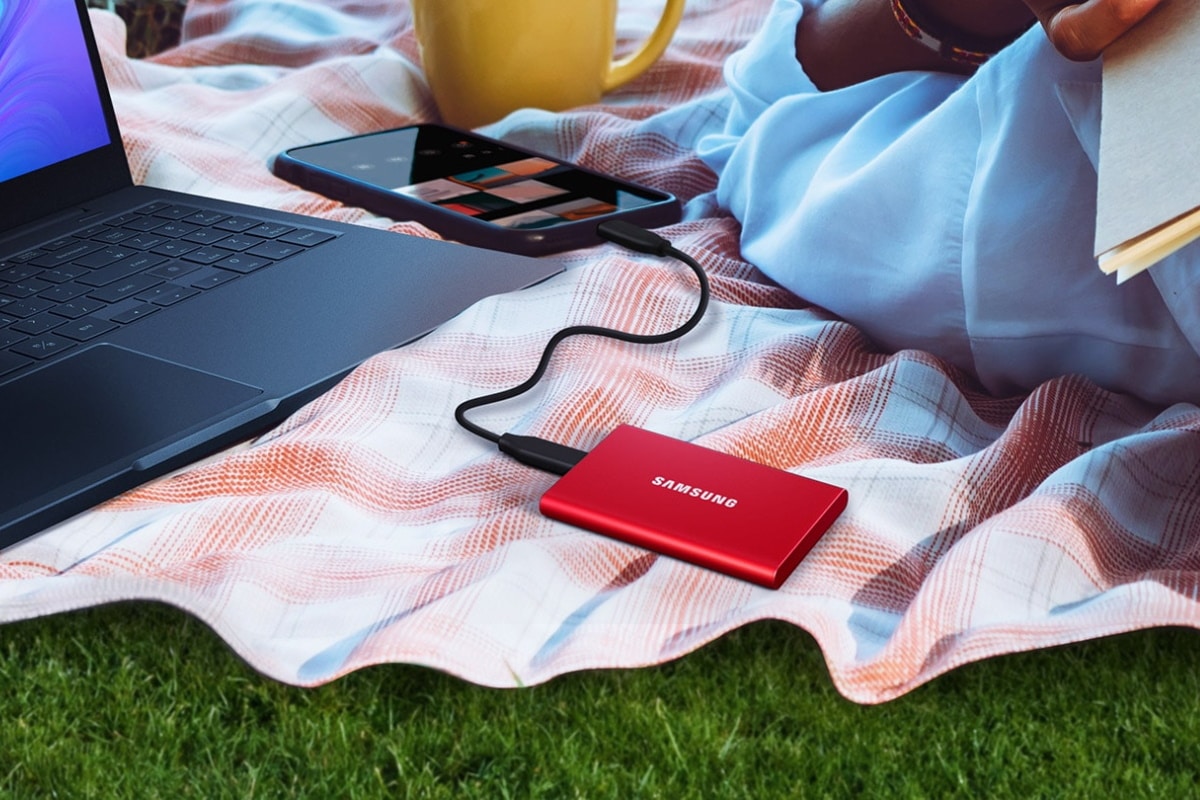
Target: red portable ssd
682,500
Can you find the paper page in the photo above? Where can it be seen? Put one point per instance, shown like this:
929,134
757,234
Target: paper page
1150,126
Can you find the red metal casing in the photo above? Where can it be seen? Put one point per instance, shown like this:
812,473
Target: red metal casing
709,508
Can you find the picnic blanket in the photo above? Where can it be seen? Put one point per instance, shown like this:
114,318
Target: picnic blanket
368,528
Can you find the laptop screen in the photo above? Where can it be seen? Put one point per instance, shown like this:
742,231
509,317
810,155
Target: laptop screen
60,148
50,107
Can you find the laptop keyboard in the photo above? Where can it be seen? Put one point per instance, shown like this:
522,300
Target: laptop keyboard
78,287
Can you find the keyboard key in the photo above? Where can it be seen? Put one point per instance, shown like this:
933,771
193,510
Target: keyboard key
167,295
104,257
206,218
135,313
26,288
122,269
40,324
11,361
174,212
43,346
306,237
173,269
10,337
270,230
68,272
144,224
126,287
64,293
66,254
113,236
275,250
210,278
124,219
175,249
92,231
27,308
206,236
60,243
206,255
18,273
243,263
237,224
78,308
145,241
85,329
240,242
176,230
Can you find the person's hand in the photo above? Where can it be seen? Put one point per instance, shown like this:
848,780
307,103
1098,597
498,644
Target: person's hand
1082,30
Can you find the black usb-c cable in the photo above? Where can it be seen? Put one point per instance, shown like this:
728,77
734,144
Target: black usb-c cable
552,456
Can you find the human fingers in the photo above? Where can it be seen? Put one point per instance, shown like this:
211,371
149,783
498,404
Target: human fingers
1082,30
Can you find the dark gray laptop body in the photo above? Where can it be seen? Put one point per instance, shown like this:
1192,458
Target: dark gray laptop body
83,419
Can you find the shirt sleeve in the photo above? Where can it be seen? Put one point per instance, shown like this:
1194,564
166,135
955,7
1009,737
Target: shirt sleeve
824,181
949,214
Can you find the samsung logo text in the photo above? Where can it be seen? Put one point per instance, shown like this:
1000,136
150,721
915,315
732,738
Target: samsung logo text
694,491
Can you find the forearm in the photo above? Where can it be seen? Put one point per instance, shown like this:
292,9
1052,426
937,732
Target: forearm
842,42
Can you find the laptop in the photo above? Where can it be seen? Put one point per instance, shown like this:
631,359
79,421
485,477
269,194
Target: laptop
141,329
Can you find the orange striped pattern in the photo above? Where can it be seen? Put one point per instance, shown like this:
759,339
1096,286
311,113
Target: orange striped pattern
368,528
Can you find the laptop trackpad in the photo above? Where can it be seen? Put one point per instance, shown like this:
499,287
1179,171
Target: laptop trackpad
98,408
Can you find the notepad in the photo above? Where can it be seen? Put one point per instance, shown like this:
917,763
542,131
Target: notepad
1148,201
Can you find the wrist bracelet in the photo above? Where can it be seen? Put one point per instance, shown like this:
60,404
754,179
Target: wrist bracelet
947,41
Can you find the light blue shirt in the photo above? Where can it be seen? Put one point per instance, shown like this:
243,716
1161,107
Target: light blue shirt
952,215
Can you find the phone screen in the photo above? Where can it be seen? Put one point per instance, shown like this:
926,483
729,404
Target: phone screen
476,177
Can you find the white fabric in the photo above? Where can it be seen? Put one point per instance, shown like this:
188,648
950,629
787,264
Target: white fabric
950,215
369,529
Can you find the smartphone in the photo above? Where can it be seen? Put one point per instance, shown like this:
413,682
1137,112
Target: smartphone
473,189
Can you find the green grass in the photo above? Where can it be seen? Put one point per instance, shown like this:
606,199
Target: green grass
140,700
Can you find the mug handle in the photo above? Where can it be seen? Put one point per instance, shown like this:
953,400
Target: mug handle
628,68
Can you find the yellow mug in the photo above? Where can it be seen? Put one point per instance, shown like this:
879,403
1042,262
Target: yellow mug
485,58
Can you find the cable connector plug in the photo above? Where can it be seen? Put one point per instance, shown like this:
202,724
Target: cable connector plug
540,453
626,234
